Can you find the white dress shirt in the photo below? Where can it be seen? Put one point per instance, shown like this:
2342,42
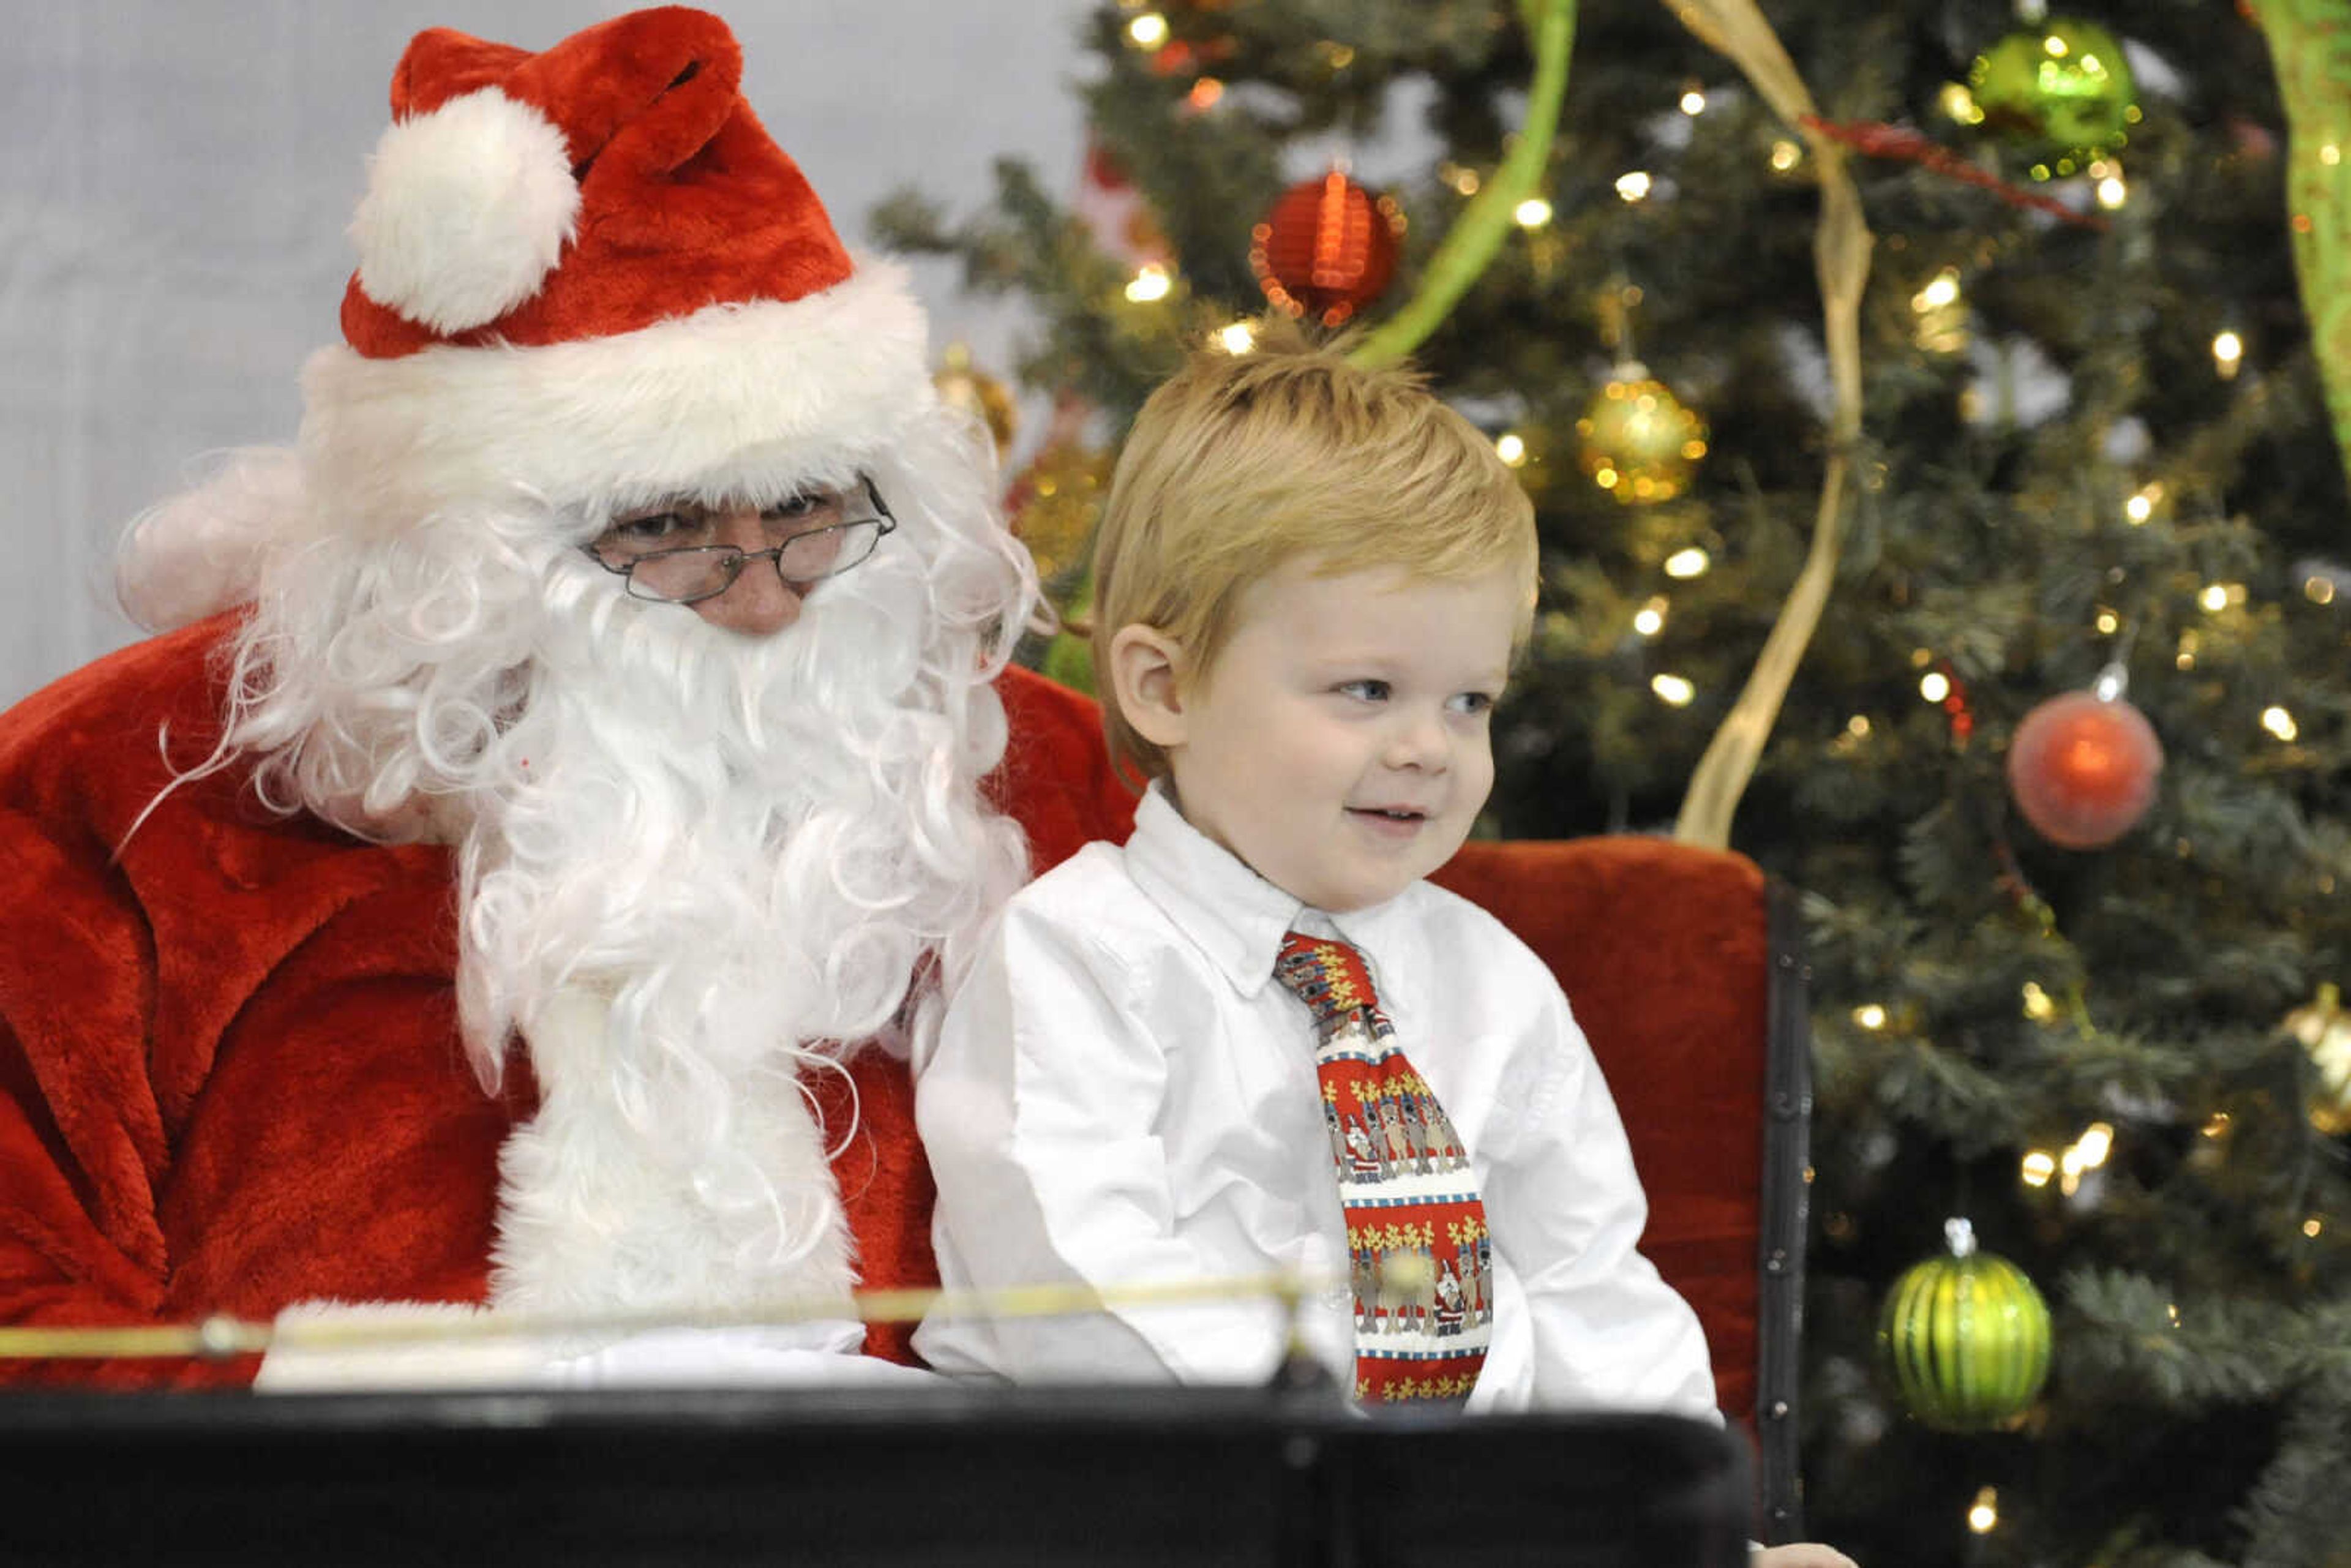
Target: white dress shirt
1122,1095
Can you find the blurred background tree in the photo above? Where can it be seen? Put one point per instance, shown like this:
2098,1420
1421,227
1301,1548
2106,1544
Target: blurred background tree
2063,773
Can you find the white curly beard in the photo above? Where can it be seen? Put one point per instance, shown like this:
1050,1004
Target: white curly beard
721,853
692,864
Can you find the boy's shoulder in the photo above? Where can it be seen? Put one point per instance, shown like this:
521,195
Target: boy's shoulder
1457,931
1092,890
1099,864
1090,911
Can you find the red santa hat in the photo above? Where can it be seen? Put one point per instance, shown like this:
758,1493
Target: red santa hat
588,274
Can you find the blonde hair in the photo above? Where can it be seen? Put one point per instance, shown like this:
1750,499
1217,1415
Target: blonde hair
1240,462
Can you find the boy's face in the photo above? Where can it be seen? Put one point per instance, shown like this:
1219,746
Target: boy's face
1340,744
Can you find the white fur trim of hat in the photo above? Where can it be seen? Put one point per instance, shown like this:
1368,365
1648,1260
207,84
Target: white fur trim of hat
734,399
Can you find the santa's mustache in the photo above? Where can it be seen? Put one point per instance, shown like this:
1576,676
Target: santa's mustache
683,809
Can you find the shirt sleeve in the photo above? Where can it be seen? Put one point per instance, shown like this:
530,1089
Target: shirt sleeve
1566,1208
1040,1110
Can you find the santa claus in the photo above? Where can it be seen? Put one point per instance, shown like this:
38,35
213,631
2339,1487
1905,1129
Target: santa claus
524,899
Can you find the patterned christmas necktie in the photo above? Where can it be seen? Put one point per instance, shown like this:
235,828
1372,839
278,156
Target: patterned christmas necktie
1422,1263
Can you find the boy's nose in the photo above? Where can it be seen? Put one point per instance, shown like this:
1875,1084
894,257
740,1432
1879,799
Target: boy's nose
1419,742
758,604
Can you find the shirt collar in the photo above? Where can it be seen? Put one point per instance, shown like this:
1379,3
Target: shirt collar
1235,916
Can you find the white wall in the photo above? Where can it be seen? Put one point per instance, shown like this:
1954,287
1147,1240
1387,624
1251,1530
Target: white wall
175,176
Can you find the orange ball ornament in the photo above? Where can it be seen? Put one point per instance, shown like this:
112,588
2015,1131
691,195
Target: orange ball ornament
1327,249
2082,769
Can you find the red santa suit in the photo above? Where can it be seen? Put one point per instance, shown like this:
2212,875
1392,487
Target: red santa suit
232,1073
231,1077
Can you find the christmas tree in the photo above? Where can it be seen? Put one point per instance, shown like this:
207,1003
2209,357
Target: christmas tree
1941,504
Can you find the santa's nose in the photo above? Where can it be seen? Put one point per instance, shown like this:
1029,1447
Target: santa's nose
758,604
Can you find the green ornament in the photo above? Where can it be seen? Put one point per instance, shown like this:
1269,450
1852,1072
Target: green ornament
1965,1339
2061,89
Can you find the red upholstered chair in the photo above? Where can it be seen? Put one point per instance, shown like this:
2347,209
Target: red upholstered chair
1684,966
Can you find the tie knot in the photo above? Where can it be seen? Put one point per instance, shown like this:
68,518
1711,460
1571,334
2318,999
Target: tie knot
1331,977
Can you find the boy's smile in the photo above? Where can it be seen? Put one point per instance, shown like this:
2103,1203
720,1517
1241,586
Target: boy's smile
1339,745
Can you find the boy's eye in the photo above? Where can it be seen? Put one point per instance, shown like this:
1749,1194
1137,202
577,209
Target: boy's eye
1364,691
1473,703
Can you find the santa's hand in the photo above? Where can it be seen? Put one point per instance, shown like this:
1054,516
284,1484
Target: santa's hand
1798,1554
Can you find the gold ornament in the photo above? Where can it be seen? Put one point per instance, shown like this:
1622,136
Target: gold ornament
1639,442
963,385
1054,503
2323,1028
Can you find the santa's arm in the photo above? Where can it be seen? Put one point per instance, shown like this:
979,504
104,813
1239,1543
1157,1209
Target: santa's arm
83,1150
1056,778
230,1076
60,1274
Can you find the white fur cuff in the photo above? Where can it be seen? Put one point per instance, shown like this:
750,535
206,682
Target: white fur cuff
329,1346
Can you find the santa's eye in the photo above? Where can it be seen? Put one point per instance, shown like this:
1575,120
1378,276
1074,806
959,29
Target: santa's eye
655,530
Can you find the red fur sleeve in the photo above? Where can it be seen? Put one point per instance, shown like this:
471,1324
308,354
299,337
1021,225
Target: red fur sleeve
176,1136
1056,778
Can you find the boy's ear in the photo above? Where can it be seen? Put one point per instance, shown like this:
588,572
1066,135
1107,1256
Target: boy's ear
1144,671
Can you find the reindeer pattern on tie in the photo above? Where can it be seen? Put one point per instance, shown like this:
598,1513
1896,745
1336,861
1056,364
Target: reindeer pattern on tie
1421,1260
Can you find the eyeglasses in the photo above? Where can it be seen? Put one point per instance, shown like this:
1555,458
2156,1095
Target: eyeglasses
818,534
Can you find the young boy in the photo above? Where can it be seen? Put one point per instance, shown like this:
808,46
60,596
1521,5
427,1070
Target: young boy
1310,582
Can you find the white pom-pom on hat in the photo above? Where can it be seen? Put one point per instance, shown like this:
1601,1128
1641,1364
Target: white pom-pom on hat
468,209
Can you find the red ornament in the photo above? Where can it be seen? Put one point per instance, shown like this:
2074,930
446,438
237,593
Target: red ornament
2082,769
1327,249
